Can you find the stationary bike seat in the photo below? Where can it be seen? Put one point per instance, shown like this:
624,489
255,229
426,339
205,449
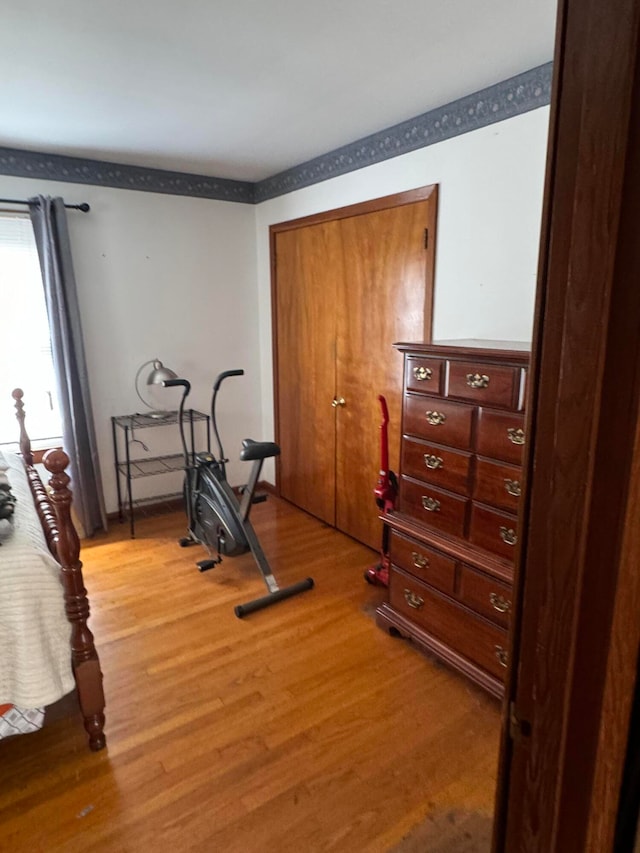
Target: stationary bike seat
258,449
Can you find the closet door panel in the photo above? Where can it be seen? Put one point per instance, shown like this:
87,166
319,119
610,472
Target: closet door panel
309,275
383,301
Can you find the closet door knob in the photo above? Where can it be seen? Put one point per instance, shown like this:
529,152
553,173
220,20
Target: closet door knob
338,402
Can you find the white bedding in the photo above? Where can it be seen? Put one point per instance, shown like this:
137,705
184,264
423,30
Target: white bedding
35,656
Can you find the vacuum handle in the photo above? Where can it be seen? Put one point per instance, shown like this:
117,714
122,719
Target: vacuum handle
385,411
224,375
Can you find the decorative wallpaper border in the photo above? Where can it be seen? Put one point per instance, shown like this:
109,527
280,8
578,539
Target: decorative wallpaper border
519,94
76,170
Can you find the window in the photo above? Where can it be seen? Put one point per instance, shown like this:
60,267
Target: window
25,345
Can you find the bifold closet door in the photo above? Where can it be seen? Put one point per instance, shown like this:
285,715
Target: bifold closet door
308,280
345,289
383,302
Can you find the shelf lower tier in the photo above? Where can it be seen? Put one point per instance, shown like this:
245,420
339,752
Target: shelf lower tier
140,503
152,465
172,500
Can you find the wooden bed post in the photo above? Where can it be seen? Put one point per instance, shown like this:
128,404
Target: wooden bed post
25,444
54,512
84,658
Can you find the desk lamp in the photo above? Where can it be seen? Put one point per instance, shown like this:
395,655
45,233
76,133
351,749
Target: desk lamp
157,376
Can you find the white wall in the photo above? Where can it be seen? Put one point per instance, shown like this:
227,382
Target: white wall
490,205
188,280
164,277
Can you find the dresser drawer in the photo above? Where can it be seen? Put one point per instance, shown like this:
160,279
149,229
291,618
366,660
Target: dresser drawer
500,435
471,636
438,420
485,595
434,507
425,563
438,465
423,374
485,384
493,530
497,484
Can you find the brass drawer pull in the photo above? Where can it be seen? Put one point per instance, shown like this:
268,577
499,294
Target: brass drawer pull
477,380
419,560
502,655
430,504
508,535
414,600
513,487
435,418
422,373
499,603
433,462
338,402
516,436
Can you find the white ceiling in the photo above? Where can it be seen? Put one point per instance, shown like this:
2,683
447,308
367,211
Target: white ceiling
246,88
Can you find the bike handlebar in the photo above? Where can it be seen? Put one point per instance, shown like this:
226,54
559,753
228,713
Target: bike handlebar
182,383
172,383
224,376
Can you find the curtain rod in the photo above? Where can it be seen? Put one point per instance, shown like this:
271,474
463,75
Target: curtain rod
84,207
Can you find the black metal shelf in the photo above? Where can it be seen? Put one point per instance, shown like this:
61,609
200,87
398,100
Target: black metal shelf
152,500
152,465
149,466
142,421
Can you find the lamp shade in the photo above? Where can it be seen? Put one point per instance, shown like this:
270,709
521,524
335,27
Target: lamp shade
157,375
160,373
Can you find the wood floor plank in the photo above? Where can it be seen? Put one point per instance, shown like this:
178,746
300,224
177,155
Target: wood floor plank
300,728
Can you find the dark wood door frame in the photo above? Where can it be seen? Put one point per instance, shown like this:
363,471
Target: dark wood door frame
576,641
358,209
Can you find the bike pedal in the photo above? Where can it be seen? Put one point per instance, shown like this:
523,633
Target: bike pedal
205,565
258,499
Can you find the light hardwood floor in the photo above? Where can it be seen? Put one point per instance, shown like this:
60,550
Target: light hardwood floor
301,728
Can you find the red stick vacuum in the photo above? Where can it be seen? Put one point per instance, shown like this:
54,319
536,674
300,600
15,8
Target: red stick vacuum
385,493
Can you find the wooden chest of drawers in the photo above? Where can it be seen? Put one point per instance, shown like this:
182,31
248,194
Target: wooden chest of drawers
455,530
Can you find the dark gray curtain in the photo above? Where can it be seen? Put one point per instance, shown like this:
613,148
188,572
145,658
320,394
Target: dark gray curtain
49,220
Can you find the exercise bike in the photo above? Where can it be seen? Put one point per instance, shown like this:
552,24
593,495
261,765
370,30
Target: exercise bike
216,518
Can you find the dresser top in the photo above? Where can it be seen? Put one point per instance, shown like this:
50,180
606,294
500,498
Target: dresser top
470,346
